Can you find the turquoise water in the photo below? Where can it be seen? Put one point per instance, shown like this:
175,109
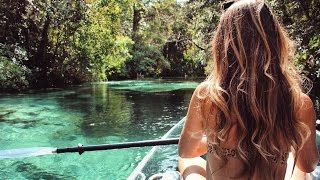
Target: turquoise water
91,114
160,159
164,158
96,113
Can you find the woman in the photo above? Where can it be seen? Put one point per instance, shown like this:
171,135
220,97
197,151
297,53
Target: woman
250,114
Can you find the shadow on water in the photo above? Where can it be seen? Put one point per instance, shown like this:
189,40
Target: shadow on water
130,108
127,109
103,111
31,171
28,120
156,113
5,112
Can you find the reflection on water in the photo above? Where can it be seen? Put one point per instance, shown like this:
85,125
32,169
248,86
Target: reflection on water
127,112
92,114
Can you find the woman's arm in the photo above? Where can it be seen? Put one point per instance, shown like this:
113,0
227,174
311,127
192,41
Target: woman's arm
192,143
308,156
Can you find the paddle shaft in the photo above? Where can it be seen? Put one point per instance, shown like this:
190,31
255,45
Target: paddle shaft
81,149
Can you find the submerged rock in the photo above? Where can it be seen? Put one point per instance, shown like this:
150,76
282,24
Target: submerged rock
31,171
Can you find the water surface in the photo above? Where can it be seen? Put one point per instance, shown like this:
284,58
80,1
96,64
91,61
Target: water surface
98,113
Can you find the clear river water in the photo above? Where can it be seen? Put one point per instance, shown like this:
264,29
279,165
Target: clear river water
98,113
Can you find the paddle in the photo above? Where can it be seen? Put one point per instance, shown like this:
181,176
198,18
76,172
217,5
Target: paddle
37,151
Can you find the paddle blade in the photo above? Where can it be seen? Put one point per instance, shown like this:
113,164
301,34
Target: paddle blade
26,152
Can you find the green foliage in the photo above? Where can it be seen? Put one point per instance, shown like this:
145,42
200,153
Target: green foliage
50,43
146,60
117,57
308,57
202,17
194,61
154,26
13,76
302,19
45,30
163,25
103,41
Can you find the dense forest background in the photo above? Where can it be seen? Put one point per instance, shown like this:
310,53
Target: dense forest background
56,43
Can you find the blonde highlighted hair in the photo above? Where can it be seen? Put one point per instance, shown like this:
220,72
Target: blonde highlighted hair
254,82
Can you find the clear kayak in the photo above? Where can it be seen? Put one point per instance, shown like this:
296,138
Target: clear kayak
162,160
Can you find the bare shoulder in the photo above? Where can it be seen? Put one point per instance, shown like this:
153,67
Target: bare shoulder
306,111
306,104
306,101
308,156
202,96
202,91
203,86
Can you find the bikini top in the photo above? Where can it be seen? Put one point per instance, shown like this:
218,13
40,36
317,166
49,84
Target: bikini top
229,152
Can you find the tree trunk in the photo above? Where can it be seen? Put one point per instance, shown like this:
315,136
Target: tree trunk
40,58
136,20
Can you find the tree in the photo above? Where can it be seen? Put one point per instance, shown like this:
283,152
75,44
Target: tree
302,19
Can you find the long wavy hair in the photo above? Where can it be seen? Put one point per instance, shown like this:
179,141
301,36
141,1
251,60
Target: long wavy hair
254,82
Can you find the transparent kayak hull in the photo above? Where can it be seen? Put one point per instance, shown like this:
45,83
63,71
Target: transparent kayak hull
162,160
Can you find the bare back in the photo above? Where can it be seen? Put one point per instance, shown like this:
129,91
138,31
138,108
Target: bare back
222,161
